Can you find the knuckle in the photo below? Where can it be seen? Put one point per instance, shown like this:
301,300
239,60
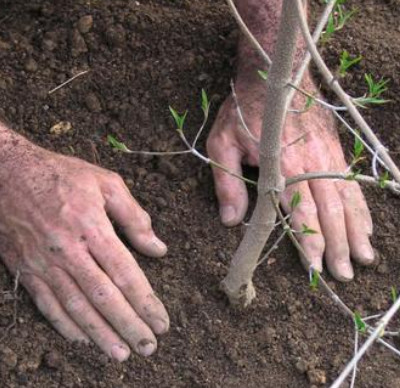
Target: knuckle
103,294
122,276
75,305
116,179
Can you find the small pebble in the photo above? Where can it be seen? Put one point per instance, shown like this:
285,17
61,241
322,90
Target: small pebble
31,65
85,24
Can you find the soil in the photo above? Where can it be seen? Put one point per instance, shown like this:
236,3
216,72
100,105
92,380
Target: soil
143,56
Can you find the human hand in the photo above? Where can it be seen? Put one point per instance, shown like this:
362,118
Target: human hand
55,229
336,209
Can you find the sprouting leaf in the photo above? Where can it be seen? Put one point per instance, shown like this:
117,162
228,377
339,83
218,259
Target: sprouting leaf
179,118
307,231
314,279
346,61
360,324
375,90
358,148
383,179
353,175
296,199
393,294
263,74
310,101
117,144
205,104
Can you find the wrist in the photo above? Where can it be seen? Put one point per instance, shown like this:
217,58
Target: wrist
15,150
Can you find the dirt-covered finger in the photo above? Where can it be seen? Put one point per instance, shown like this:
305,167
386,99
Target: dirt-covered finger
109,301
304,219
332,220
48,304
230,190
130,216
358,224
85,315
124,271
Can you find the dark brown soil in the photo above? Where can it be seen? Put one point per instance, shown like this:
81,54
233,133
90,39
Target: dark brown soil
143,57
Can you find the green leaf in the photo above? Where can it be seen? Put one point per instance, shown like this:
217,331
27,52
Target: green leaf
307,231
314,279
346,62
179,118
393,294
353,175
117,144
205,104
360,324
383,179
358,148
309,103
263,74
296,199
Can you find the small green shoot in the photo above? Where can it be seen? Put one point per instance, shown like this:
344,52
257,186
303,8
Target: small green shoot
353,175
307,231
309,103
358,149
296,199
117,144
393,294
179,118
263,74
360,324
383,180
314,279
337,20
346,62
205,103
375,90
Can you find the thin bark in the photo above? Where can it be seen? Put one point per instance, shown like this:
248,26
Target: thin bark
344,97
238,282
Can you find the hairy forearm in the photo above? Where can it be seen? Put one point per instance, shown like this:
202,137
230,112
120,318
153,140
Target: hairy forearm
15,151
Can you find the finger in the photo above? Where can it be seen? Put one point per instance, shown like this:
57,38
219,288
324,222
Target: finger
358,199
305,213
104,296
332,221
122,268
230,190
50,307
358,222
85,315
135,222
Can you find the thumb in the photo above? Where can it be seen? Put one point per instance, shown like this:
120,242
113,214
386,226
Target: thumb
230,190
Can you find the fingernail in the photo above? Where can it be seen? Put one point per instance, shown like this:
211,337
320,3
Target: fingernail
160,326
346,272
228,214
367,254
146,347
159,246
120,352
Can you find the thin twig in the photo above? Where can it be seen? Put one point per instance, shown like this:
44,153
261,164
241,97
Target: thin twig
68,81
15,307
391,185
357,135
353,377
317,34
240,114
270,250
377,332
343,96
248,33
